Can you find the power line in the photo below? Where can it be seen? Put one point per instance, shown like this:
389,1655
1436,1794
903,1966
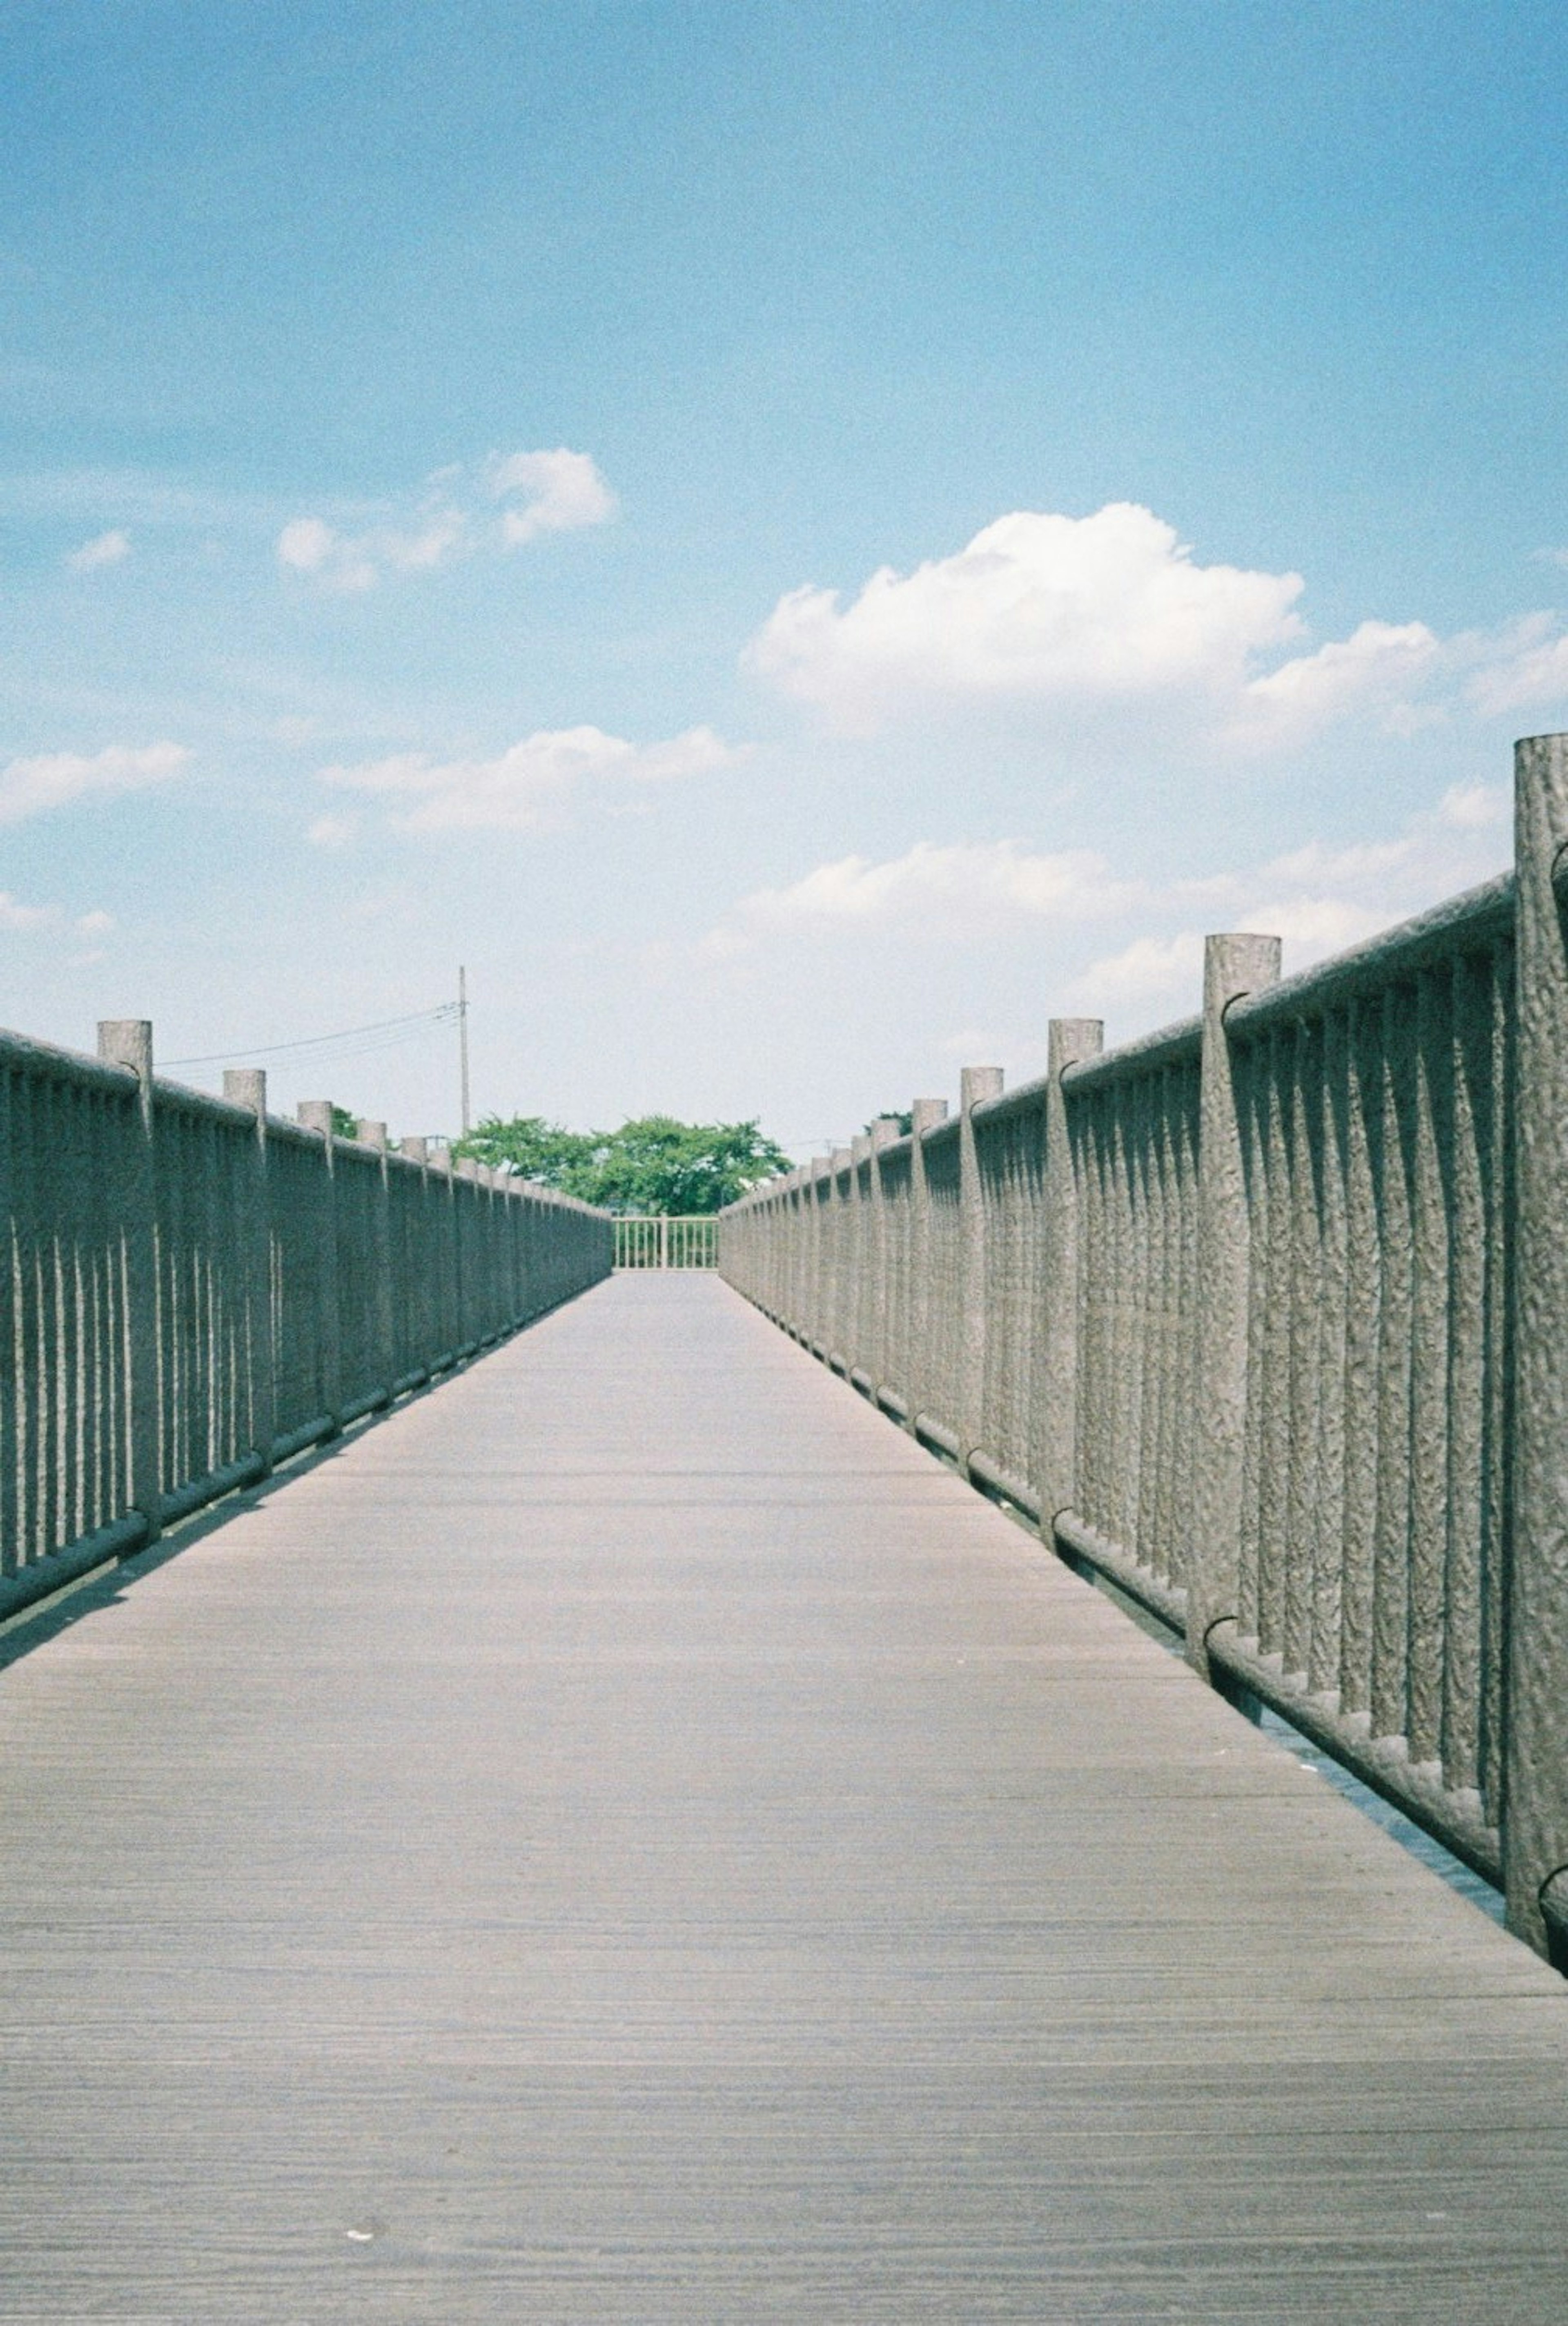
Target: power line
383,1033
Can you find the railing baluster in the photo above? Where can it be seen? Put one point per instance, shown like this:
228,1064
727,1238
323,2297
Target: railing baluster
1057,1379
1323,1671
1233,966
1535,1836
128,1042
1262,1337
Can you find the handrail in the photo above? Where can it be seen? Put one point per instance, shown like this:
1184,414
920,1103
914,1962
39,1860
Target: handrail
1168,1046
1266,1316
1471,922
194,1290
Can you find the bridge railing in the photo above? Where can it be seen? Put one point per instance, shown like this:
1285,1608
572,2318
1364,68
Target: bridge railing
1266,1318
192,1289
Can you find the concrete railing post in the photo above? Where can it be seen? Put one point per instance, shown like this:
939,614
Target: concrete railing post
532,1211
840,1261
1535,1783
530,1259
316,1114
16,1215
246,1086
774,1214
800,1266
513,1213
504,1286
924,1116
517,1215
525,1214
1055,1421
509,1300
484,1220
470,1291
976,1085
444,1262
373,1134
1232,965
809,1243
817,1316
770,1214
421,1292
885,1131
128,1042
856,1328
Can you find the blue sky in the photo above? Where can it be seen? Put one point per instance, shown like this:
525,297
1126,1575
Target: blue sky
798,540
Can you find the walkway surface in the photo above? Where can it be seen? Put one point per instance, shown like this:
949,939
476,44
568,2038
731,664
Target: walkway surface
630,1836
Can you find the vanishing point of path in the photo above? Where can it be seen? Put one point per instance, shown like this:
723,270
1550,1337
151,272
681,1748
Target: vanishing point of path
631,1837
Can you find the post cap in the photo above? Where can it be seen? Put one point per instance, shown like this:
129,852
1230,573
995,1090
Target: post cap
978,1084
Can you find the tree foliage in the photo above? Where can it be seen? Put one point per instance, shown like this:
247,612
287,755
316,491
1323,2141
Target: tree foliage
653,1164
532,1149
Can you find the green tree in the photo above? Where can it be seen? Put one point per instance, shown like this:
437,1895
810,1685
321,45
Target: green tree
653,1164
532,1148
656,1164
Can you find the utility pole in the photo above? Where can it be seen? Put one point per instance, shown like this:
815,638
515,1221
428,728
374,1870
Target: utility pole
463,1039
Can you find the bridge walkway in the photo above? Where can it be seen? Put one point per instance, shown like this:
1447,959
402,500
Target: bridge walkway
628,1836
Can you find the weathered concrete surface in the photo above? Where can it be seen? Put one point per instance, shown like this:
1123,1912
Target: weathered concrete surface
631,1838
1538,1765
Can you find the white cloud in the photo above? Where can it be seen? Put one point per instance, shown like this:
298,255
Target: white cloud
103,549
1314,927
531,787
933,892
1157,977
352,562
306,545
1518,667
1079,612
331,830
558,491
1375,672
442,536
1470,807
1319,900
17,919
1109,624
1146,954
1148,971
33,787
1463,840
562,491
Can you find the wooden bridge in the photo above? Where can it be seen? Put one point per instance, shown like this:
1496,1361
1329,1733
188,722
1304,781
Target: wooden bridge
629,1835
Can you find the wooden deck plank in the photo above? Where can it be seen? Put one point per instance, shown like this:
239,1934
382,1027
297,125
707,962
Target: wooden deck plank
630,1836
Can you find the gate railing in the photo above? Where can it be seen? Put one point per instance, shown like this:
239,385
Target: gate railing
664,1240
1266,1318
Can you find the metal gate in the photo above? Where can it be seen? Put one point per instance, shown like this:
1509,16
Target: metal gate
667,1242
